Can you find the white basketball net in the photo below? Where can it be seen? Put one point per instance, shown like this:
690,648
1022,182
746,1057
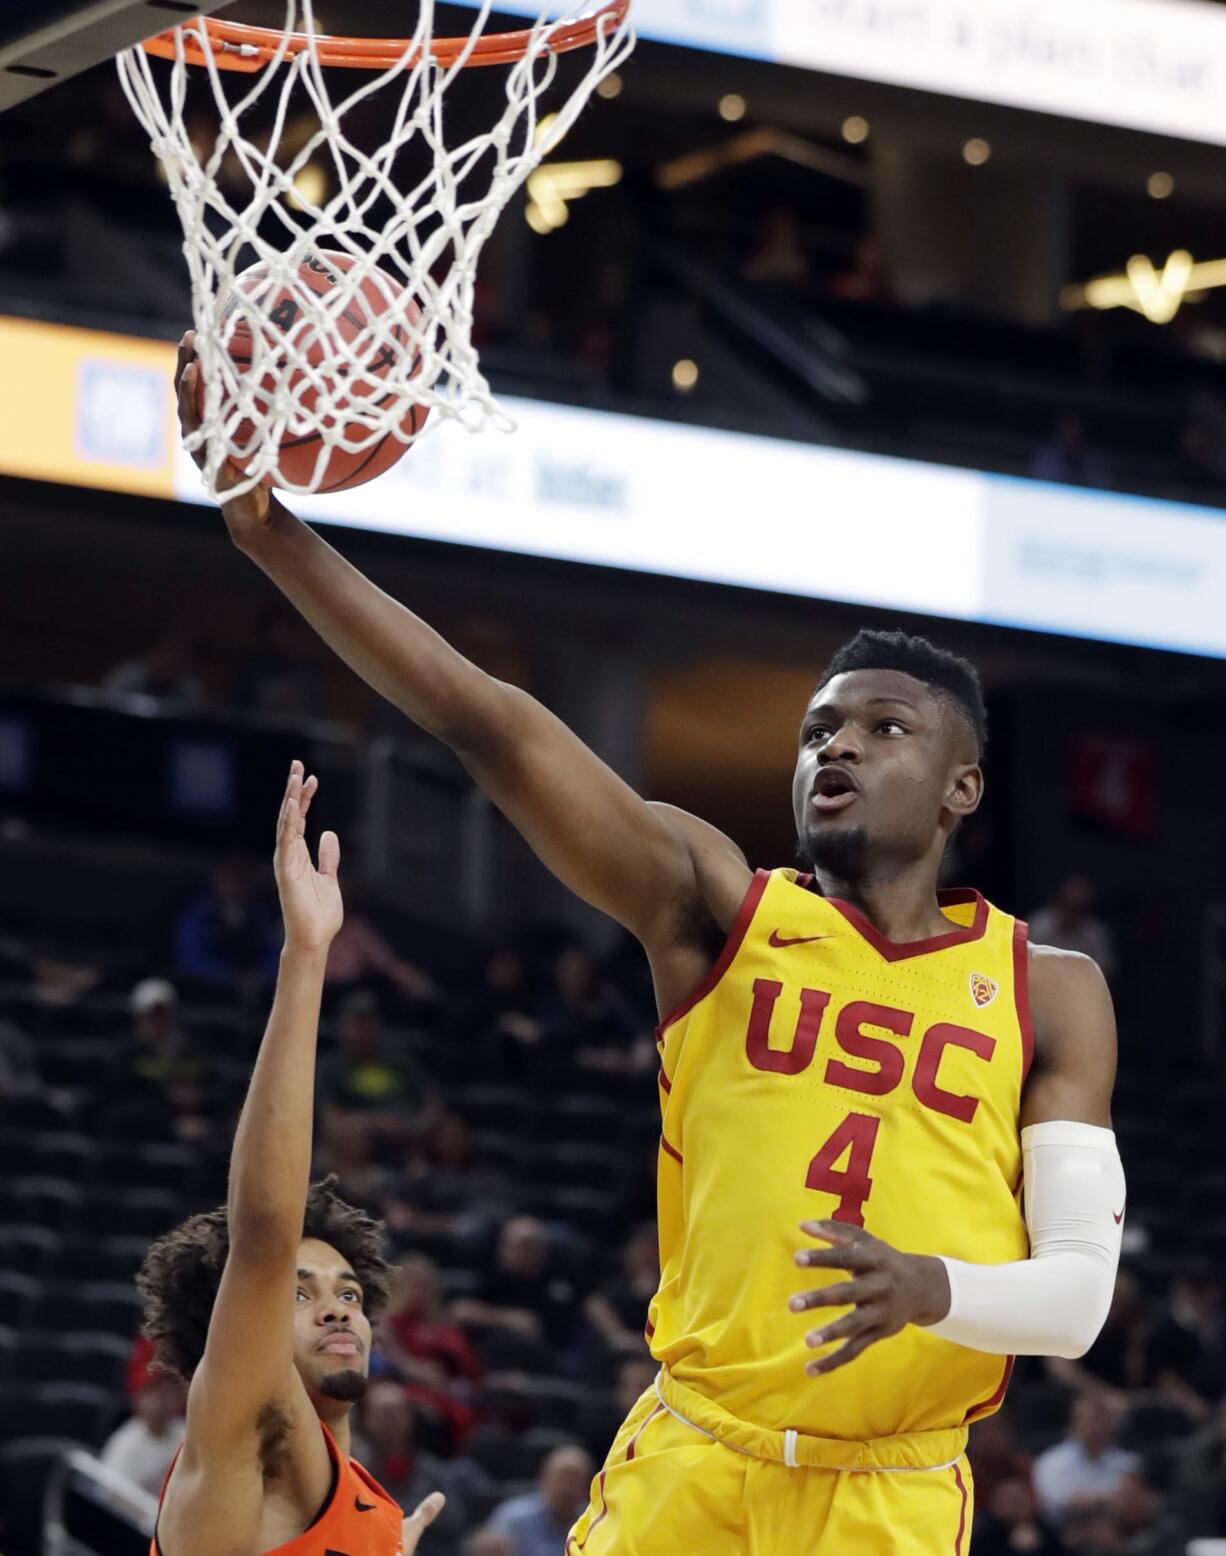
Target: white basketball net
245,203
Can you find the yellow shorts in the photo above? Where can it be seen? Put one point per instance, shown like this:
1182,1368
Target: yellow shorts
669,1487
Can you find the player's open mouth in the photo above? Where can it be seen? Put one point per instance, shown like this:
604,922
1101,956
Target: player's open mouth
834,790
340,1345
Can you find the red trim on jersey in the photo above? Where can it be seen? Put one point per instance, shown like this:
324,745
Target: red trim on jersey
603,1513
1021,992
961,1484
672,1150
993,1399
649,1329
899,951
665,1082
732,945
634,1441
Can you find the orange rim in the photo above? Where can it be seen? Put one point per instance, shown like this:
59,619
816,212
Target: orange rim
239,47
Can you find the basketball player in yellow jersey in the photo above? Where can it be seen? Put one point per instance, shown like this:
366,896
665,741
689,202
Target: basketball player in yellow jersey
858,1076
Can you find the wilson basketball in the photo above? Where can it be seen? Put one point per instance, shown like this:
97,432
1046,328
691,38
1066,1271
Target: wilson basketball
278,310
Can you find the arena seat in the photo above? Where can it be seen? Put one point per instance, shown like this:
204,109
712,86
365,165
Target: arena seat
132,1213
24,1468
90,1358
91,1258
19,1293
578,1166
80,1411
112,1307
25,1247
48,1201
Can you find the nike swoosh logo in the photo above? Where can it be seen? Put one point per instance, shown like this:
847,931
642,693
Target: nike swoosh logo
779,940
1118,1218
364,1507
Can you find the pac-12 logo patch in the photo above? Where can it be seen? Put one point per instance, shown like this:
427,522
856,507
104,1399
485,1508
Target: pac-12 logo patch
983,989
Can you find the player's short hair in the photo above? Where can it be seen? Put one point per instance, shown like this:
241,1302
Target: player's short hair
948,675
179,1279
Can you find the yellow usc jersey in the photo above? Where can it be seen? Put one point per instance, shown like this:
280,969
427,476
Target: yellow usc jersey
823,1072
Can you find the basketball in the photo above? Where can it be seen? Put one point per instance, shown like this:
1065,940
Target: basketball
300,451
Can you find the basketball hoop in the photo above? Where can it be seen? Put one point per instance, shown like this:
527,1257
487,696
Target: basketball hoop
268,192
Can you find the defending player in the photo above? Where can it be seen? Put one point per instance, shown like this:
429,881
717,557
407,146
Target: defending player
264,1307
843,1048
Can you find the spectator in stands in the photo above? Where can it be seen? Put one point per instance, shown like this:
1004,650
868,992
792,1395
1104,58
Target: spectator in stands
226,938
1069,922
447,1193
347,1149
1117,1362
1008,1521
1199,1479
1142,1524
387,1446
360,956
142,1448
19,1075
603,1413
521,1293
779,256
539,1521
164,1078
417,1337
996,1456
618,1310
370,1078
1079,1476
492,1015
1188,1350
1067,456
584,1022
866,279
278,680
165,673
488,1542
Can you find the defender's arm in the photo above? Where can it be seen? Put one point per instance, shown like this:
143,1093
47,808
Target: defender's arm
248,1356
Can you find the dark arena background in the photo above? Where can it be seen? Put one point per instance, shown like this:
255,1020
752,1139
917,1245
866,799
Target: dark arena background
852,313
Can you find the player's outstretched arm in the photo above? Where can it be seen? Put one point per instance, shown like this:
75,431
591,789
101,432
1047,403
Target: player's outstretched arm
248,1365
591,829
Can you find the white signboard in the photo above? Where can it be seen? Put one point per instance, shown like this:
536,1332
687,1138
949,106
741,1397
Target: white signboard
657,497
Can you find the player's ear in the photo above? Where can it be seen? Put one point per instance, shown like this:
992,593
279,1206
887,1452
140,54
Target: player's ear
965,790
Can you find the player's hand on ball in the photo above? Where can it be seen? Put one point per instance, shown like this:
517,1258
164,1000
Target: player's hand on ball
243,515
422,1516
310,897
887,1291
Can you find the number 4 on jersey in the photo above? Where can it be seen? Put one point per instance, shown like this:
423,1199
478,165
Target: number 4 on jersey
854,1138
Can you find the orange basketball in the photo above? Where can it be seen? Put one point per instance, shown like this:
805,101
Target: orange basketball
299,453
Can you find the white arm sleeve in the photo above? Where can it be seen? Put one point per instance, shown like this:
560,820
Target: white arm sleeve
1055,1302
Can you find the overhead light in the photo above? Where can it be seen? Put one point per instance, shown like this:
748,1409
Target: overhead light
685,375
1156,294
554,185
310,187
855,129
1160,186
610,87
732,107
976,151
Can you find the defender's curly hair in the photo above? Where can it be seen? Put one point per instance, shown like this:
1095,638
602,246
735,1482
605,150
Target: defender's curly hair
182,1270
945,673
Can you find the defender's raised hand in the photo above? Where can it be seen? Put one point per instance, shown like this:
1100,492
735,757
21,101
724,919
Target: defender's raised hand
245,514
422,1516
887,1290
310,897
